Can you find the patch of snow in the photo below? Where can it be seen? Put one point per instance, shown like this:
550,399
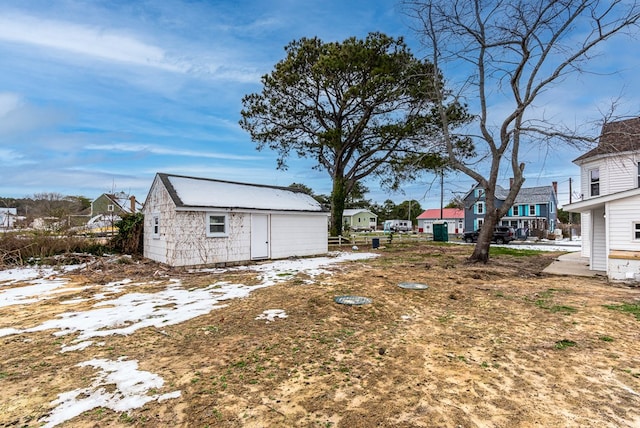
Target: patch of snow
271,315
131,388
173,305
31,293
80,346
9,331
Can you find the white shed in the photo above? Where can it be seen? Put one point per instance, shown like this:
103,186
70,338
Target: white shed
190,221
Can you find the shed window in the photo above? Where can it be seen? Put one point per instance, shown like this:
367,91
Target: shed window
594,177
155,233
636,230
217,224
110,208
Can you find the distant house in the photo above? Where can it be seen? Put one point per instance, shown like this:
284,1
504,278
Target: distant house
8,217
610,206
192,221
453,216
114,203
359,219
534,211
108,208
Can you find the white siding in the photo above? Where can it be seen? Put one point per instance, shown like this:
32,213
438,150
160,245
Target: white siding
585,227
621,215
158,202
617,173
598,241
298,235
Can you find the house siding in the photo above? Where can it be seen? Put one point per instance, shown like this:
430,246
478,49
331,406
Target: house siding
617,174
585,225
158,202
624,251
361,220
621,215
299,235
598,240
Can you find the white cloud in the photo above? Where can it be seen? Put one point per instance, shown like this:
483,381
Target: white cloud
9,102
157,150
123,46
105,44
18,116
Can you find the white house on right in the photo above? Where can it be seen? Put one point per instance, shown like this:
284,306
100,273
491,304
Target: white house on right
610,205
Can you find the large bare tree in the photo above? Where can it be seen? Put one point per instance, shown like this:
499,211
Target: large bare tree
515,50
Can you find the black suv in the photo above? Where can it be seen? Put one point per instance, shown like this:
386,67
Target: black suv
501,235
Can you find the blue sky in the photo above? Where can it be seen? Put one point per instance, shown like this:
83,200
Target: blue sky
98,96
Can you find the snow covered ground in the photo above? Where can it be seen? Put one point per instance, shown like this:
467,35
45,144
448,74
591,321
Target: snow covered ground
543,245
119,385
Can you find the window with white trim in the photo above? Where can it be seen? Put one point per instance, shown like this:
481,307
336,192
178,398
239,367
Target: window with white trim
479,207
155,225
636,230
532,210
638,174
217,225
110,208
594,182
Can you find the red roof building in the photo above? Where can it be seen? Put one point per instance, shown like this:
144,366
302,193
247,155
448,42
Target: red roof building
453,216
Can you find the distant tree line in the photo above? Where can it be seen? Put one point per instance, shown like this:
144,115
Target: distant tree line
48,205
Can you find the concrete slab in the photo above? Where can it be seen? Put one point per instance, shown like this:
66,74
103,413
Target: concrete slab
572,264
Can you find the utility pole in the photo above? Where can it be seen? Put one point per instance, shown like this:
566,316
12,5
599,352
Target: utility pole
570,217
441,193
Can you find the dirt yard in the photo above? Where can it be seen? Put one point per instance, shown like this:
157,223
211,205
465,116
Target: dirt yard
500,345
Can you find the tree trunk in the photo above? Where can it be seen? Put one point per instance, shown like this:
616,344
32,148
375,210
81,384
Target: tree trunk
338,198
481,251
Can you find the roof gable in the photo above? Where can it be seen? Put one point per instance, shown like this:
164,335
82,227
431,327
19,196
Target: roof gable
535,195
194,192
355,211
616,137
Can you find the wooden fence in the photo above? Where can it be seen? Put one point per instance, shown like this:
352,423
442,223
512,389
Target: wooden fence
366,240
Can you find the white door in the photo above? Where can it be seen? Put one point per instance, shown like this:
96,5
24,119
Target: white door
259,236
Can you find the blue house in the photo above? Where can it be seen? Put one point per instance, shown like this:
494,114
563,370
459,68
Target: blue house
534,211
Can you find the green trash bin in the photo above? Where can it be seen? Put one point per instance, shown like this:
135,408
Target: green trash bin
440,231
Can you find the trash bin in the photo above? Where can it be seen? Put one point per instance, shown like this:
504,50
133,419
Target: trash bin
440,232
375,242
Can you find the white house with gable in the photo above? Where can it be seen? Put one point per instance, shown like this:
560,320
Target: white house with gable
610,206
190,221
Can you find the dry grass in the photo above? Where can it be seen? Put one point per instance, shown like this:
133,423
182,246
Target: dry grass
500,345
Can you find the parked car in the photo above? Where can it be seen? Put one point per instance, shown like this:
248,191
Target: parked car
501,235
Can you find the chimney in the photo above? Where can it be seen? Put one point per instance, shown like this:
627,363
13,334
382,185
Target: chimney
555,187
132,199
510,183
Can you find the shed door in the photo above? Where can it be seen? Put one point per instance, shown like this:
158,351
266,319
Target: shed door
259,236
